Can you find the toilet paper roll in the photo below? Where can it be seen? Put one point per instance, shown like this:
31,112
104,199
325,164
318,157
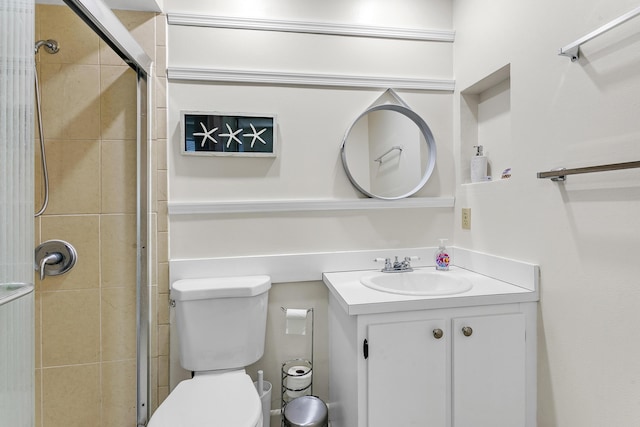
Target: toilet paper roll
298,381
296,321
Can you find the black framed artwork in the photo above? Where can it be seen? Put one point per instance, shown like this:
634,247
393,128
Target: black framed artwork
228,134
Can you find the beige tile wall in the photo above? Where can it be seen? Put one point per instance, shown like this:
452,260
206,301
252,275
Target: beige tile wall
85,319
161,220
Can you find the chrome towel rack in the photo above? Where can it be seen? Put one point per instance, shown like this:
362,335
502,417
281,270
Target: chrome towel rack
572,50
561,174
381,157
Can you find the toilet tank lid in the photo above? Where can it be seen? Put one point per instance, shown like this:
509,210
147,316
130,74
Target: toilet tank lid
220,287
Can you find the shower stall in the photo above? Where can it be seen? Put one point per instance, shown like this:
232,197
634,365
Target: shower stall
90,326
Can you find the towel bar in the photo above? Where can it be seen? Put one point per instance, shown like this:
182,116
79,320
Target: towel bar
561,174
573,50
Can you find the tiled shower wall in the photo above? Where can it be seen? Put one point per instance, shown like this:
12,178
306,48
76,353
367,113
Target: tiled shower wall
85,319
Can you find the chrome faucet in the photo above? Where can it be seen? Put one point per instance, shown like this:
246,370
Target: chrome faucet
397,266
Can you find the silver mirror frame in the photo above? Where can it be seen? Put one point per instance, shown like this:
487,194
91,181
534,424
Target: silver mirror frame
426,132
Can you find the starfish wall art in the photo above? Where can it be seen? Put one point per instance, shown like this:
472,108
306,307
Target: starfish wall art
227,134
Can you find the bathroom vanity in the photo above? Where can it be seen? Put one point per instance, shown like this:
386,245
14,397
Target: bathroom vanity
460,360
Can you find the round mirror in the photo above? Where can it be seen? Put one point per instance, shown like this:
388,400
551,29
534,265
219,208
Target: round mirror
389,152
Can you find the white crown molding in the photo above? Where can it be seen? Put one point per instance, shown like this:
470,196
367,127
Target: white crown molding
208,208
307,79
325,28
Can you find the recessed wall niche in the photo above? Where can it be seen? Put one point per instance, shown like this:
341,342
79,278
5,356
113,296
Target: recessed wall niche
485,119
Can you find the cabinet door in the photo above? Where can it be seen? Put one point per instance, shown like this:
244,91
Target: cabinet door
407,374
489,371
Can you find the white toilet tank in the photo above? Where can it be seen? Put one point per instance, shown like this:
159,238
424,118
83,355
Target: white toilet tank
221,321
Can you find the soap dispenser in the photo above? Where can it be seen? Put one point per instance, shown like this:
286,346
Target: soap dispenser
442,256
478,165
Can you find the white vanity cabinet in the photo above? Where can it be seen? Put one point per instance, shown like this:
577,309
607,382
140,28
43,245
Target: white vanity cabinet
489,370
470,366
406,373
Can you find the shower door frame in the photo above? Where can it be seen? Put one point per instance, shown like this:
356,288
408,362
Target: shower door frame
101,19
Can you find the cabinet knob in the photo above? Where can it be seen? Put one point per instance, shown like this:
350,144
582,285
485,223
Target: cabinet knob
467,331
437,333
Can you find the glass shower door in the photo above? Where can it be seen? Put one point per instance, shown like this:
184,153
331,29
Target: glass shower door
16,214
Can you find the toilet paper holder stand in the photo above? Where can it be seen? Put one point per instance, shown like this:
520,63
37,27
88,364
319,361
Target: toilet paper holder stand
306,372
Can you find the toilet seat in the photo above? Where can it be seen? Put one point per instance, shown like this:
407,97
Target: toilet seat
211,399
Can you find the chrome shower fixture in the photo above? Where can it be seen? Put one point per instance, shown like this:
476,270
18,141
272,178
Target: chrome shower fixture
51,46
54,257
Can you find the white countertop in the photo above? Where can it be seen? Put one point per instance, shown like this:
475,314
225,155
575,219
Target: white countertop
355,298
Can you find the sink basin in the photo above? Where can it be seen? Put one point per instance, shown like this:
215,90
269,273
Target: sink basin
417,282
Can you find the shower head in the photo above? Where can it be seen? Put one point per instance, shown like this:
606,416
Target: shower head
51,46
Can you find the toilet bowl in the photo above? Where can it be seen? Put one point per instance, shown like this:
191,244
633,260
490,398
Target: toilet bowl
211,400
221,325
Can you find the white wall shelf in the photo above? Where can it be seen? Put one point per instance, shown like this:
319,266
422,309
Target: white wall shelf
325,28
486,183
261,206
306,79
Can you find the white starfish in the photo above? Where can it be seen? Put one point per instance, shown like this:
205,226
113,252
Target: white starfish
255,135
206,134
231,135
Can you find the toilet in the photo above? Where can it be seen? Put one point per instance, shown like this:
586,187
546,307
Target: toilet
221,324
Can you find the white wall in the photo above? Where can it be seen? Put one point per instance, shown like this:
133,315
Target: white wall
433,14
311,124
585,233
